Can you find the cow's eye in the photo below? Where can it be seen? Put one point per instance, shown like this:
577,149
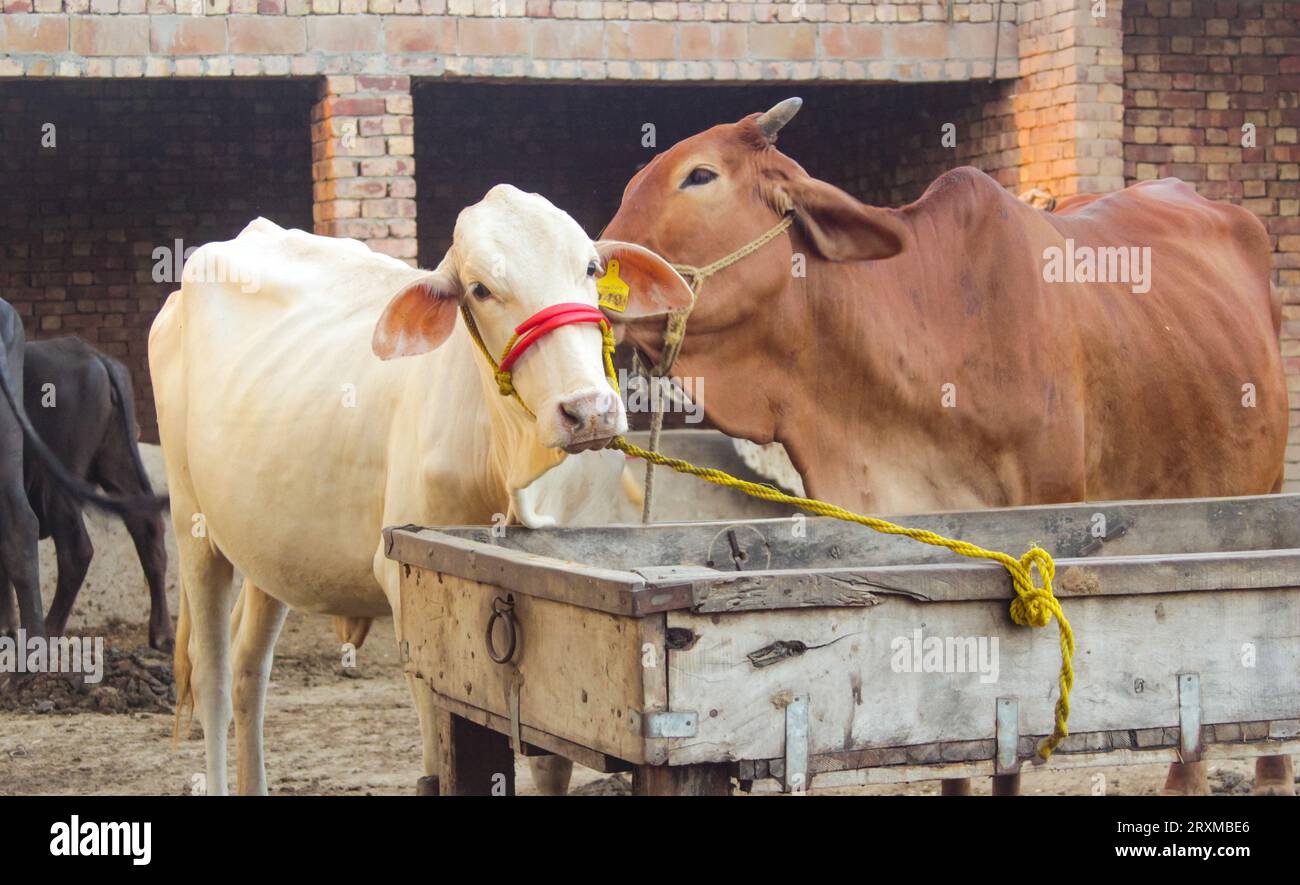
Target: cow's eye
699,175
592,268
480,291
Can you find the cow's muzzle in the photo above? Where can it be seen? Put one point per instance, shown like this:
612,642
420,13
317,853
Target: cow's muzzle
588,419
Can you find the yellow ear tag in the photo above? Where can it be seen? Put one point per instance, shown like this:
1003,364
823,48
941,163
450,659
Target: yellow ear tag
613,291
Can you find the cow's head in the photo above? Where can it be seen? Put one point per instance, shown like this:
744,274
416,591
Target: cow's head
512,255
714,192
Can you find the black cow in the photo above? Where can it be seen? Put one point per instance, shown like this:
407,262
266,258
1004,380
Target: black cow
91,428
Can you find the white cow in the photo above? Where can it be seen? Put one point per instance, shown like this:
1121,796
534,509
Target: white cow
289,445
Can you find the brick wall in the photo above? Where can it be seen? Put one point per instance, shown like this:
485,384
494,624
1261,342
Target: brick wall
1067,102
363,162
539,39
1195,73
135,167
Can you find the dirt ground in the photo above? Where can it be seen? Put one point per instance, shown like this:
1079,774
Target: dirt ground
329,731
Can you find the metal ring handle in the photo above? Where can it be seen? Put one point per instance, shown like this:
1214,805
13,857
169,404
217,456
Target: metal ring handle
503,609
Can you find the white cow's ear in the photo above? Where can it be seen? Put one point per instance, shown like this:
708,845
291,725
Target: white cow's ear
419,318
653,287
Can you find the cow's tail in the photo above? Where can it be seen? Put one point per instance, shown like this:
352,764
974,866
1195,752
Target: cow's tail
65,480
120,379
183,670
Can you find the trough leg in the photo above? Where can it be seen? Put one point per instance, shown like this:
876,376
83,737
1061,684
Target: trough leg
711,779
1187,779
955,786
473,760
1006,784
1274,776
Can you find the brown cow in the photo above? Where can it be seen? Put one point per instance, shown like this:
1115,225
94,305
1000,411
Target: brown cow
919,358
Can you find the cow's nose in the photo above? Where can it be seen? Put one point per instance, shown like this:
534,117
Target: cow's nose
590,415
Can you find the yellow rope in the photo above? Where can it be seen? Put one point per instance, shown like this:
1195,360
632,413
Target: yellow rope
1034,605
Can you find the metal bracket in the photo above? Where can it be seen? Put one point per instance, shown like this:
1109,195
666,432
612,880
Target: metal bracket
513,689
1007,728
1189,717
795,779
664,723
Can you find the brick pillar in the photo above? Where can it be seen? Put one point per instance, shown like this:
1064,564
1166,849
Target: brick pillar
363,162
1069,101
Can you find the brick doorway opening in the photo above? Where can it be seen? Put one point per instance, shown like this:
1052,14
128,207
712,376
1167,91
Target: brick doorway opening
132,168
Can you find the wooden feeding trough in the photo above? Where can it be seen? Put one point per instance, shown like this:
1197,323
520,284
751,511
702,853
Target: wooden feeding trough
802,652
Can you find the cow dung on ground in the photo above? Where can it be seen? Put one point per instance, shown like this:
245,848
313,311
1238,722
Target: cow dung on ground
135,680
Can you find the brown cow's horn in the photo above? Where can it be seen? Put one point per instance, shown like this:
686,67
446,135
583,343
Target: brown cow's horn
780,114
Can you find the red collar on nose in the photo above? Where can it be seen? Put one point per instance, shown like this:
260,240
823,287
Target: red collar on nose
548,319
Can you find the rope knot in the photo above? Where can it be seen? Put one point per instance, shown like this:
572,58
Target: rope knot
504,383
1034,609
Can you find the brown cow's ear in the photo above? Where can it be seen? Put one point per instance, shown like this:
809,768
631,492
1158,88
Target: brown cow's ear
419,318
840,227
652,286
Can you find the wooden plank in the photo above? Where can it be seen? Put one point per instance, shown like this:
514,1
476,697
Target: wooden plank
581,668
666,588
533,738
858,777
654,676
1191,525
599,589
965,579
1130,650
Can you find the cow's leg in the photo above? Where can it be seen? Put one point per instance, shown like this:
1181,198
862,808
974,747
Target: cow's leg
259,627
150,546
115,469
427,712
19,534
1187,779
203,655
8,614
1274,776
73,551
551,774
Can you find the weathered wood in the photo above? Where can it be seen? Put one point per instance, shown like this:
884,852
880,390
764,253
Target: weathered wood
618,623
600,589
831,777
654,587
1193,525
963,579
539,740
1130,652
682,780
473,760
582,669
